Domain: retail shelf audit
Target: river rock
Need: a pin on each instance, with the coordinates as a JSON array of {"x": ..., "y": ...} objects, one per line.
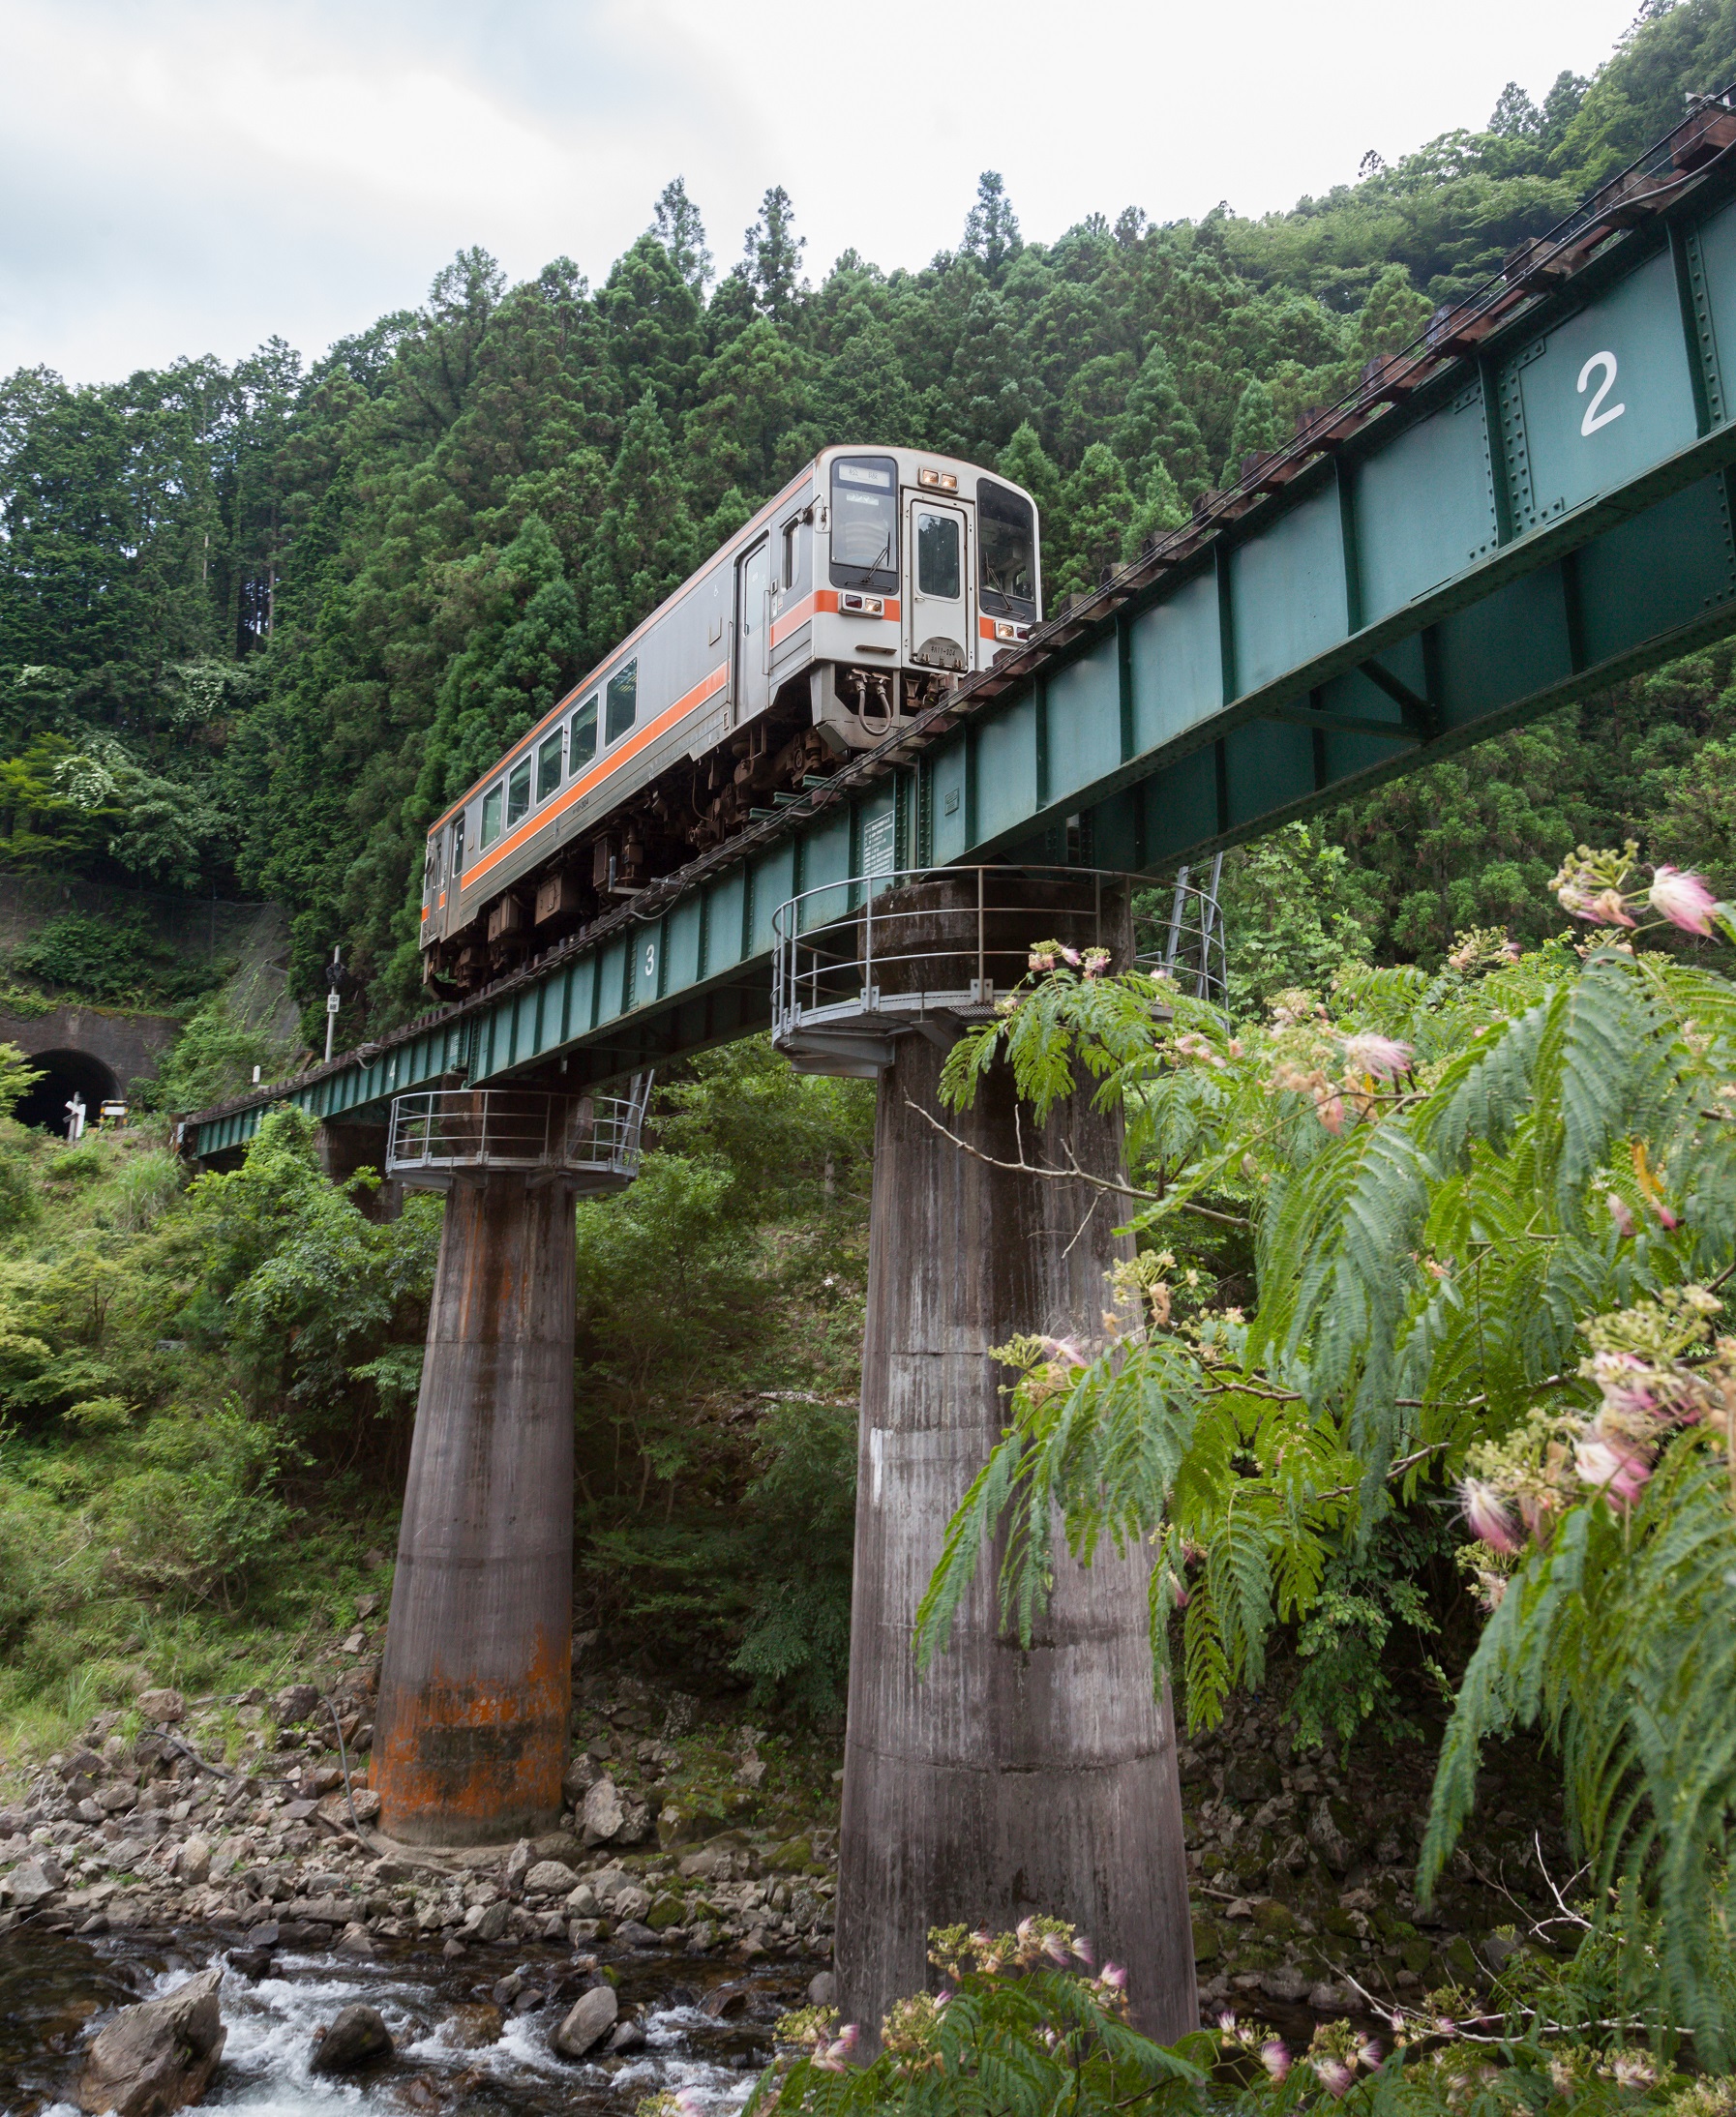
[
  {"x": 163, "y": 1705},
  {"x": 549, "y": 1878},
  {"x": 193, "y": 1863},
  {"x": 823, "y": 1989},
  {"x": 158, "y": 2057},
  {"x": 354, "y": 2039},
  {"x": 474, "y": 2026},
  {"x": 576, "y": 1781},
  {"x": 32, "y": 1882},
  {"x": 587, "y": 2022},
  {"x": 604, "y": 1813},
  {"x": 487, "y": 1922}
]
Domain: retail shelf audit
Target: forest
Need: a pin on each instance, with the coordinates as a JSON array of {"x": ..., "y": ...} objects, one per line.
[{"x": 1416, "y": 1385}]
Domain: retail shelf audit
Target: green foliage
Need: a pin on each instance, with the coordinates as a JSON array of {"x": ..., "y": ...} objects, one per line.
[
  {"x": 803, "y": 1507},
  {"x": 16, "y": 1076},
  {"x": 1018, "y": 2034},
  {"x": 213, "y": 1058},
  {"x": 1448, "y": 1181},
  {"x": 112, "y": 960}
]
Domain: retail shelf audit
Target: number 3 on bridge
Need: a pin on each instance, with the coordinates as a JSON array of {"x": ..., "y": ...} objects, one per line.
[{"x": 1595, "y": 414}]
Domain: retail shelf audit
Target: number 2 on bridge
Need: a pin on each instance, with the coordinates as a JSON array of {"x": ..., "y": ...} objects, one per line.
[{"x": 1595, "y": 415}]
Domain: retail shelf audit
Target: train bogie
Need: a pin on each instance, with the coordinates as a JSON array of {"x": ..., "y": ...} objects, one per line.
[{"x": 866, "y": 589}]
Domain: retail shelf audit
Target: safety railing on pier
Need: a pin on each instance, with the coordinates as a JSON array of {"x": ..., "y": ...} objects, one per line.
[
  {"x": 594, "y": 1140},
  {"x": 924, "y": 951},
  {"x": 1187, "y": 944}
]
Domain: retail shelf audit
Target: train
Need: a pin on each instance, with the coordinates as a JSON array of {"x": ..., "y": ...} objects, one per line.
[{"x": 872, "y": 584}]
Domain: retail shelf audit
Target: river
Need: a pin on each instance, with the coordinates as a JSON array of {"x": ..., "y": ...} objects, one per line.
[{"x": 464, "y": 2037}]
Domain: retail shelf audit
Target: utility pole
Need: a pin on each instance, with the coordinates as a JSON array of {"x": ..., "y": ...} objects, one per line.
[{"x": 334, "y": 978}]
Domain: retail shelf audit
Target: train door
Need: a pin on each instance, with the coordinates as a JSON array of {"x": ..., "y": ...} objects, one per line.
[
  {"x": 938, "y": 616},
  {"x": 753, "y": 619}
]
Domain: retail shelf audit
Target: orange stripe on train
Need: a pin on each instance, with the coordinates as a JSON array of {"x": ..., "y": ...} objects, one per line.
[{"x": 707, "y": 688}]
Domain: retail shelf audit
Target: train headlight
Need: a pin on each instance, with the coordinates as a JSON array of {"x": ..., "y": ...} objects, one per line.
[
  {"x": 868, "y": 605},
  {"x": 1005, "y": 629},
  {"x": 938, "y": 481}
]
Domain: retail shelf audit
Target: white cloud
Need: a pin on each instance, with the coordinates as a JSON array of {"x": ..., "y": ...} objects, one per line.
[{"x": 184, "y": 175}]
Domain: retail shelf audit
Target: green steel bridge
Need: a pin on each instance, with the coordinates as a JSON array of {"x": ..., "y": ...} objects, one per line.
[{"x": 1529, "y": 504}]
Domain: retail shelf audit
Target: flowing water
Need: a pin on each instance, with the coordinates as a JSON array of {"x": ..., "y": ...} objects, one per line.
[{"x": 706, "y": 2026}]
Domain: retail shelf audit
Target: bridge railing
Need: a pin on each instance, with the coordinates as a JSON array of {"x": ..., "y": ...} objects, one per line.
[{"x": 441, "y": 1132}]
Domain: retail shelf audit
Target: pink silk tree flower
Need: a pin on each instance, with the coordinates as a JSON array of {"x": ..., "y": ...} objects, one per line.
[
  {"x": 1489, "y": 1518},
  {"x": 1274, "y": 2056},
  {"x": 1619, "y": 1212},
  {"x": 1619, "y": 1472},
  {"x": 1384, "y": 1056},
  {"x": 1683, "y": 898}
]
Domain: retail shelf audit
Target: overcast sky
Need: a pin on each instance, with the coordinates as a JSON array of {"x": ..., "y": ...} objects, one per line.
[{"x": 184, "y": 176}]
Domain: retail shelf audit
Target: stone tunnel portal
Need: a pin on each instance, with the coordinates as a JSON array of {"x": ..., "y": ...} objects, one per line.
[{"x": 45, "y": 1105}]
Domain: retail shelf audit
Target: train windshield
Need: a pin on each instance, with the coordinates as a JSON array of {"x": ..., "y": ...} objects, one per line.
[
  {"x": 865, "y": 523},
  {"x": 1006, "y": 539}
]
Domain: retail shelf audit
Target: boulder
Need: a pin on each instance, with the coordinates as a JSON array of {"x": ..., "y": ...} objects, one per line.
[
  {"x": 32, "y": 1882},
  {"x": 250, "y": 1964},
  {"x": 157, "y": 2057},
  {"x": 823, "y": 1989},
  {"x": 295, "y": 1702},
  {"x": 488, "y": 1922},
  {"x": 193, "y": 1864},
  {"x": 549, "y": 1878},
  {"x": 583, "y": 1903},
  {"x": 355, "y": 1940},
  {"x": 576, "y": 1781},
  {"x": 162, "y": 1706},
  {"x": 335, "y": 1807},
  {"x": 519, "y": 1863},
  {"x": 473, "y": 2026},
  {"x": 357, "y": 2037},
  {"x": 632, "y": 1902},
  {"x": 604, "y": 1815},
  {"x": 587, "y": 2022}
]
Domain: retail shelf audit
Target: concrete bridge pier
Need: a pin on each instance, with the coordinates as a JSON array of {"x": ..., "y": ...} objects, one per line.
[
  {"x": 471, "y": 1732},
  {"x": 471, "y": 1735},
  {"x": 1009, "y": 1780}
]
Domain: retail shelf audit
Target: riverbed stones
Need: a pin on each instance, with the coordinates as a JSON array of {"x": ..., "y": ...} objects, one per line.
[
  {"x": 549, "y": 1878},
  {"x": 587, "y": 2022},
  {"x": 158, "y": 2057},
  {"x": 33, "y": 1883},
  {"x": 356, "y": 2037}
]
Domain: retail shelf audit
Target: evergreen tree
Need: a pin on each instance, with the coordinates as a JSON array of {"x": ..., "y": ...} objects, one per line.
[
  {"x": 771, "y": 262},
  {"x": 863, "y": 395},
  {"x": 645, "y": 544},
  {"x": 1256, "y": 429},
  {"x": 752, "y": 423},
  {"x": 1025, "y": 460},
  {"x": 1156, "y": 427},
  {"x": 1159, "y": 507},
  {"x": 678, "y": 227},
  {"x": 992, "y": 227},
  {"x": 1093, "y": 519},
  {"x": 1514, "y": 115}
]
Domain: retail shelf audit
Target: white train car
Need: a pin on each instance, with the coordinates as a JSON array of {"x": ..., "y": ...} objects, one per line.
[{"x": 866, "y": 588}]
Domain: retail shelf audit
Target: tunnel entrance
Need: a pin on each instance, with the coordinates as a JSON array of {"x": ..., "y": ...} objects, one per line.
[{"x": 45, "y": 1105}]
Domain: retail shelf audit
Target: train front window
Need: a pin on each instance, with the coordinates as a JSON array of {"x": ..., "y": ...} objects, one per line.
[
  {"x": 547, "y": 766},
  {"x": 518, "y": 794},
  {"x": 621, "y": 701},
  {"x": 584, "y": 745},
  {"x": 865, "y": 523},
  {"x": 938, "y": 554},
  {"x": 490, "y": 814},
  {"x": 1006, "y": 539},
  {"x": 430, "y": 867}
]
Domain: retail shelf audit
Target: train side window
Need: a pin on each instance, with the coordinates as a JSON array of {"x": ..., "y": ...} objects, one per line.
[
  {"x": 431, "y": 866},
  {"x": 518, "y": 794},
  {"x": 584, "y": 745},
  {"x": 791, "y": 552},
  {"x": 547, "y": 766},
  {"x": 623, "y": 701},
  {"x": 492, "y": 802}
]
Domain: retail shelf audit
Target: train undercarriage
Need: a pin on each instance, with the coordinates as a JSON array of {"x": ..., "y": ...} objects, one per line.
[{"x": 812, "y": 726}]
